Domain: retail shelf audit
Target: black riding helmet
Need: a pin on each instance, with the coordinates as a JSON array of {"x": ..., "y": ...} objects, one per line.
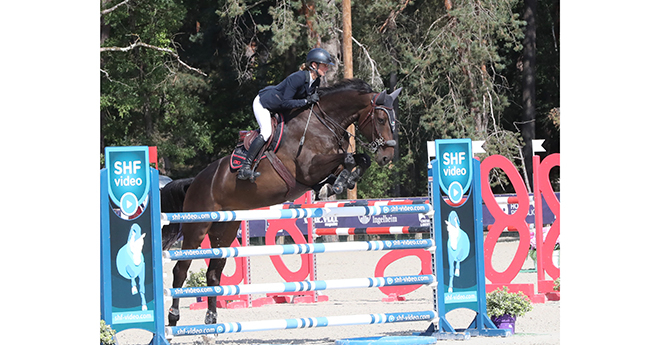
[{"x": 319, "y": 55}]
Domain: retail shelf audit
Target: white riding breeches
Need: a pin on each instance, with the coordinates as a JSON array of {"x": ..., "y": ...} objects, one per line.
[{"x": 263, "y": 118}]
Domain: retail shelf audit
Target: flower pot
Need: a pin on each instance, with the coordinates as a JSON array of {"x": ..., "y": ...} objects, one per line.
[{"x": 505, "y": 321}]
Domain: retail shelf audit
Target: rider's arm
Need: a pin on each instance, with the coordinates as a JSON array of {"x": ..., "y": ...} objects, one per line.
[{"x": 295, "y": 83}]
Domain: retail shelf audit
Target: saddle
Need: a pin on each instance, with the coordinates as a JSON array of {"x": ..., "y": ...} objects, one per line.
[
  {"x": 271, "y": 146},
  {"x": 273, "y": 143}
]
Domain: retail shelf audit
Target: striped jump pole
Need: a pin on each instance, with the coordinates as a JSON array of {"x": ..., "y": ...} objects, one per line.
[
  {"x": 336, "y": 284},
  {"x": 391, "y": 230},
  {"x": 310, "y": 322},
  {"x": 351, "y": 203},
  {"x": 294, "y": 249},
  {"x": 294, "y": 213}
]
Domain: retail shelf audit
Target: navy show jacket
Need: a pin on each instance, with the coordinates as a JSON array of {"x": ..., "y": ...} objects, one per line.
[{"x": 290, "y": 93}]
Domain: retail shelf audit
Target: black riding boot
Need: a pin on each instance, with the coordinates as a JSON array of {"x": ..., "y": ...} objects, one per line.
[{"x": 245, "y": 172}]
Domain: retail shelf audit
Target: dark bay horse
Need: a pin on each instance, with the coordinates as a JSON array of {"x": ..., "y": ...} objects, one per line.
[{"x": 321, "y": 154}]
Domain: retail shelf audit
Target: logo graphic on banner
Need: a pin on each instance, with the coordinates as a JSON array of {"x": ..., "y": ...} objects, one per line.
[
  {"x": 130, "y": 262},
  {"x": 128, "y": 180},
  {"x": 458, "y": 247},
  {"x": 455, "y": 158}
]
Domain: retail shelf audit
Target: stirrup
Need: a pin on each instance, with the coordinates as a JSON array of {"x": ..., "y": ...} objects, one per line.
[{"x": 246, "y": 172}]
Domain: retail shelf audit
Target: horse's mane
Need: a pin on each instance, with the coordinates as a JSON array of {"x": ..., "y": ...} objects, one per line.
[{"x": 354, "y": 84}]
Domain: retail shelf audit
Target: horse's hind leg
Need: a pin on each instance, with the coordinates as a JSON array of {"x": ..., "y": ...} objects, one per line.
[
  {"x": 451, "y": 275},
  {"x": 193, "y": 235},
  {"x": 221, "y": 235}
]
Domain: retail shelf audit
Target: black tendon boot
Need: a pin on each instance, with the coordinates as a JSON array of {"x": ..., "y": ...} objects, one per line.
[{"x": 246, "y": 172}]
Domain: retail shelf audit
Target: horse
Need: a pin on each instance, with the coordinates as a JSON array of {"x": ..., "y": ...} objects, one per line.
[
  {"x": 458, "y": 247},
  {"x": 313, "y": 151},
  {"x": 130, "y": 261}
]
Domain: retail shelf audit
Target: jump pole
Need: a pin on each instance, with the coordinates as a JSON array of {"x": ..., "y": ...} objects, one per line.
[{"x": 134, "y": 169}]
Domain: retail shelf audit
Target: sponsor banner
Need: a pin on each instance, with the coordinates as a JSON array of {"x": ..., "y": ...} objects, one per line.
[{"x": 258, "y": 227}]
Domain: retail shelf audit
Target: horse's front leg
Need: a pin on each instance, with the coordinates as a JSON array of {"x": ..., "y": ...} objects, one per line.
[
  {"x": 451, "y": 274},
  {"x": 134, "y": 289},
  {"x": 363, "y": 162},
  {"x": 341, "y": 181},
  {"x": 142, "y": 289}
]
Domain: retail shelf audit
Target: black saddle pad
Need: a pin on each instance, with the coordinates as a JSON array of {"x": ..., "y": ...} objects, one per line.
[{"x": 240, "y": 152}]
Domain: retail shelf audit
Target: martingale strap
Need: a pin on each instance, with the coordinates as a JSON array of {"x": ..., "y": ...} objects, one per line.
[{"x": 292, "y": 185}]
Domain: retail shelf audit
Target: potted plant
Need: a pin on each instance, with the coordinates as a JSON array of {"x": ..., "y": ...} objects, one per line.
[
  {"x": 197, "y": 279},
  {"x": 532, "y": 245},
  {"x": 107, "y": 334},
  {"x": 504, "y": 307}
]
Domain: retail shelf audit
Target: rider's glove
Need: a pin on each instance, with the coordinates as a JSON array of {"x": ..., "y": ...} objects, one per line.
[{"x": 313, "y": 98}]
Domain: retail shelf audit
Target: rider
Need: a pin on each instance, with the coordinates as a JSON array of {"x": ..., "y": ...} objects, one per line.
[{"x": 297, "y": 90}]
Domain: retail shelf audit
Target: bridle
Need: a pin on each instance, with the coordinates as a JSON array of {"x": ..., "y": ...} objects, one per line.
[
  {"x": 378, "y": 140},
  {"x": 391, "y": 117}
]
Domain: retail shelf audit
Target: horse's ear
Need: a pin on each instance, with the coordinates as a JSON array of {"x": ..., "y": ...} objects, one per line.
[{"x": 395, "y": 93}]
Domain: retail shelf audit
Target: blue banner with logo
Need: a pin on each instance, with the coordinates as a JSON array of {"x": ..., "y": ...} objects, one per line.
[
  {"x": 128, "y": 176},
  {"x": 455, "y": 158},
  {"x": 131, "y": 264}
]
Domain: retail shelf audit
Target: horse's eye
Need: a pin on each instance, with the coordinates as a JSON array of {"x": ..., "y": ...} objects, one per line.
[{"x": 381, "y": 121}]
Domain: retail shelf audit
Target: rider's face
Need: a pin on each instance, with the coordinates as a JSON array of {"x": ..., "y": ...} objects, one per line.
[{"x": 322, "y": 69}]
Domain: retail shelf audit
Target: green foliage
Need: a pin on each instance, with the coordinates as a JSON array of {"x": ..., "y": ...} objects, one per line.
[
  {"x": 501, "y": 301},
  {"x": 147, "y": 98},
  {"x": 107, "y": 334},
  {"x": 458, "y": 69},
  {"x": 376, "y": 182},
  {"x": 450, "y": 65},
  {"x": 556, "y": 286},
  {"x": 197, "y": 279}
]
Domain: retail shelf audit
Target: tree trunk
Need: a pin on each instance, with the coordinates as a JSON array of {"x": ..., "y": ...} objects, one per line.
[
  {"x": 529, "y": 87},
  {"x": 396, "y": 192}
]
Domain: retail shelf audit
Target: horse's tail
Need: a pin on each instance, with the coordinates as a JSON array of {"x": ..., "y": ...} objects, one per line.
[{"x": 171, "y": 201}]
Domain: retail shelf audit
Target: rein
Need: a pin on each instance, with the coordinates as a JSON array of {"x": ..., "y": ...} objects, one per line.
[{"x": 376, "y": 143}]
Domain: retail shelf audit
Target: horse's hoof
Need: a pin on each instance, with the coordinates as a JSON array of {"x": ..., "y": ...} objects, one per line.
[
  {"x": 209, "y": 338},
  {"x": 338, "y": 188},
  {"x": 355, "y": 176},
  {"x": 324, "y": 192},
  {"x": 173, "y": 317},
  {"x": 211, "y": 317}
]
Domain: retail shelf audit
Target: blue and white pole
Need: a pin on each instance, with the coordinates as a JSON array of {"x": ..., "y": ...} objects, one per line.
[
  {"x": 311, "y": 322},
  {"x": 294, "y": 213},
  {"x": 295, "y": 249},
  {"x": 247, "y": 289}
]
